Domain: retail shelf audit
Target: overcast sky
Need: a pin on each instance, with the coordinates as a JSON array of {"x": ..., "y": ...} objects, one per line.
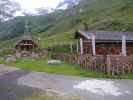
[{"x": 31, "y": 5}]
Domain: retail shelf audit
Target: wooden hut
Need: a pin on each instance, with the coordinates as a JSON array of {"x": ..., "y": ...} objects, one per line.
[
  {"x": 105, "y": 42},
  {"x": 27, "y": 44}
]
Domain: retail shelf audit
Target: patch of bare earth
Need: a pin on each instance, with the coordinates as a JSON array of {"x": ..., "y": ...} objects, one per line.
[{"x": 52, "y": 95}]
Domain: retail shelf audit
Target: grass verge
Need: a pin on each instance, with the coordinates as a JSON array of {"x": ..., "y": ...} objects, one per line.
[{"x": 41, "y": 65}]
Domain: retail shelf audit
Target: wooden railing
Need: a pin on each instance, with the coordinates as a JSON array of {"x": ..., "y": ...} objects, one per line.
[{"x": 111, "y": 64}]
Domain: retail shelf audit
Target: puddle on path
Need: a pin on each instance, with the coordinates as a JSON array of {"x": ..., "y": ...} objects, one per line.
[{"x": 100, "y": 87}]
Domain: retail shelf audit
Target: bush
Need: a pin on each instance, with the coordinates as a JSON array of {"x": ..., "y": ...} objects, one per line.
[{"x": 5, "y": 52}]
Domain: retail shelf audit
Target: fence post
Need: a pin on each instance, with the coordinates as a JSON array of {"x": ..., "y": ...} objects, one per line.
[
  {"x": 108, "y": 64},
  {"x": 124, "y": 51},
  {"x": 81, "y": 46},
  {"x": 71, "y": 48},
  {"x": 93, "y": 45},
  {"x": 77, "y": 46}
]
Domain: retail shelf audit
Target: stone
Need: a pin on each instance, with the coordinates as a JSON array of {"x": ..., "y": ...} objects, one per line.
[
  {"x": 18, "y": 54},
  {"x": 10, "y": 58},
  {"x": 54, "y": 62}
]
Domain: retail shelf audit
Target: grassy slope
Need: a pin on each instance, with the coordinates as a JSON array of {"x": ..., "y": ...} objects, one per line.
[
  {"x": 110, "y": 15},
  {"x": 116, "y": 15},
  {"x": 56, "y": 28},
  {"x": 61, "y": 38}
]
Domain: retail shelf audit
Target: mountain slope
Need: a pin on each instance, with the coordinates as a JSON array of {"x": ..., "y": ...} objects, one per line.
[{"x": 110, "y": 15}]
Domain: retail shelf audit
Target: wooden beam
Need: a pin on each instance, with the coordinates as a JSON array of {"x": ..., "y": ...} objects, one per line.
[
  {"x": 87, "y": 41},
  {"x": 77, "y": 46},
  {"x": 71, "y": 47},
  {"x": 93, "y": 45},
  {"x": 81, "y": 46},
  {"x": 124, "y": 48}
]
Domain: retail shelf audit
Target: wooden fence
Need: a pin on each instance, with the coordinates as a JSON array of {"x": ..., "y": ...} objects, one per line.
[
  {"x": 111, "y": 64},
  {"x": 119, "y": 64}
]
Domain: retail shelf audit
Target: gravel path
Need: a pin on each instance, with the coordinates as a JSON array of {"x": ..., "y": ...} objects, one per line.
[{"x": 16, "y": 83}]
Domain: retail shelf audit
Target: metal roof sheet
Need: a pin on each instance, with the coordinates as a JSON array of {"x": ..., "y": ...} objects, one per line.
[{"x": 107, "y": 35}]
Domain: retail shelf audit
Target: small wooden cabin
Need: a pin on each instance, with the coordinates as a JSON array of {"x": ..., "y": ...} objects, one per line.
[
  {"x": 105, "y": 43},
  {"x": 27, "y": 43}
]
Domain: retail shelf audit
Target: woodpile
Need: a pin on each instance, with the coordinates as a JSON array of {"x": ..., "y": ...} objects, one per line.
[{"x": 111, "y": 64}]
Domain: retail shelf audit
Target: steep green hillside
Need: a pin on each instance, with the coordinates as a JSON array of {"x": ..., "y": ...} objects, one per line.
[{"x": 58, "y": 27}]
